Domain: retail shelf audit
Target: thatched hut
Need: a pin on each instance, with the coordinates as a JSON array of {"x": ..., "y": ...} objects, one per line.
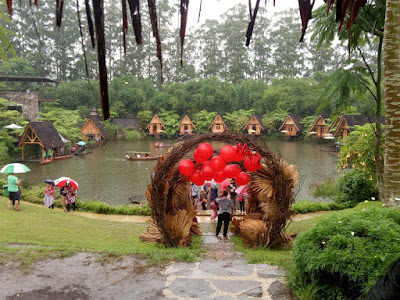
[
  {"x": 218, "y": 125},
  {"x": 345, "y": 124},
  {"x": 41, "y": 136},
  {"x": 320, "y": 128},
  {"x": 292, "y": 126},
  {"x": 254, "y": 125},
  {"x": 186, "y": 126},
  {"x": 94, "y": 130},
  {"x": 155, "y": 127}
]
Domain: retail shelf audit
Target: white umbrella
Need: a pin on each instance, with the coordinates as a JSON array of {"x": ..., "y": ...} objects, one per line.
[
  {"x": 14, "y": 168},
  {"x": 12, "y": 126},
  {"x": 284, "y": 131},
  {"x": 252, "y": 131}
]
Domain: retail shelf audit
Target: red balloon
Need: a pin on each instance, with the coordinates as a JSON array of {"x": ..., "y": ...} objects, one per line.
[
  {"x": 206, "y": 164},
  {"x": 228, "y": 153},
  {"x": 232, "y": 170},
  {"x": 186, "y": 167},
  {"x": 217, "y": 164},
  {"x": 199, "y": 159},
  {"x": 242, "y": 179},
  {"x": 208, "y": 173},
  {"x": 252, "y": 163},
  {"x": 239, "y": 153},
  {"x": 205, "y": 150},
  {"x": 219, "y": 177},
  {"x": 197, "y": 178}
]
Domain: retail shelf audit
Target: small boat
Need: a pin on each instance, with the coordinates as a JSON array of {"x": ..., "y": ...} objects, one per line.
[
  {"x": 162, "y": 145},
  {"x": 139, "y": 155},
  {"x": 83, "y": 153},
  {"x": 46, "y": 161},
  {"x": 63, "y": 157}
]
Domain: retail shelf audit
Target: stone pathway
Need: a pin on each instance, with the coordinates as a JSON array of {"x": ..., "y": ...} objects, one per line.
[{"x": 224, "y": 275}]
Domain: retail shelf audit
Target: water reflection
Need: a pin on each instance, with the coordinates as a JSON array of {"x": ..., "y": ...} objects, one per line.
[{"x": 105, "y": 174}]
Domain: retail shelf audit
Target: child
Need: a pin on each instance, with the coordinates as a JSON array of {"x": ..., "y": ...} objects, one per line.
[
  {"x": 49, "y": 195},
  {"x": 71, "y": 197},
  {"x": 203, "y": 199}
]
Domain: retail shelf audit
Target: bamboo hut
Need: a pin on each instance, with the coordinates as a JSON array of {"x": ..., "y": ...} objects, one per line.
[
  {"x": 218, "y": 125},
  {"x": 44, "y": 136},
  {"x": 186, "y": 126},
  {"x": 320, "y": 128},
  {"x": 155, "y": 127},
  {"x": 292, "y": 126},
  {"x": 346, "y": 124},
  {"x": 254, "y": 125},
  {"x": 94, "y": 130}
]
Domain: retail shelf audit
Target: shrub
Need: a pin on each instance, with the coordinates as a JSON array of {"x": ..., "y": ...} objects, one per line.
[
  {"x": 309, "y": 206},
  {"x": 344, "y": 254},
  {"x": 328, "y": 189},
  {"x": 132, "y": 135},
  {"x": 355, "y": 187}
]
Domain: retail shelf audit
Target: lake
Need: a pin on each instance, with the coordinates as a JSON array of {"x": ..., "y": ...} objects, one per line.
[{"x": 105, "y": 174}]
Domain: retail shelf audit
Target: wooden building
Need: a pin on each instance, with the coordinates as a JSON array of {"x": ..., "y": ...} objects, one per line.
[
  {"x": 254, "y": 125},
  {"x": 130, "y": 123},
  {"x": 41, "y": 136},
  {"x": 218, "y": 125},
  {"x": 320, "y": 128},
  {"x": 346, "y": 123},
  {"x": 155, "y": 127},
  {"x": 94, "y": 130},
  {"x": 186, "y": 126},
  {"x": 292, "y": 126}
]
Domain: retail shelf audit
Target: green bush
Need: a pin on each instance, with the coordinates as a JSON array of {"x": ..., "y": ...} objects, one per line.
[
  {"x": 132, "y": 135},
  {"x": 309, "y": 206},
  {"x": 328, "y": 189},
  {"x": 355, "y": 187},
  {"x": 344, "y": 254}
]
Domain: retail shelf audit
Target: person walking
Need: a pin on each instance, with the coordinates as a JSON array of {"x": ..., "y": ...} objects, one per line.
[
  {"x": 63, "y": 193},
  {"x": 49, "y": 195},
  {"x": 225, "y": 210},
  {"x": 14, "y": 191}
]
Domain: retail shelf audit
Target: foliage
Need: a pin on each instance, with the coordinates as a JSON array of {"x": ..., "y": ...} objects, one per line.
[
  {"x": 171, "y": 121},
  {"x": 327, "y": 189},
  {"x": 110, "y": 127},
  {"x": 356, "y": 186},
  {"x": 144, "y": 118},
  {"x": 132, "y": 134},
  {"x": 304, "y": 207},
  {"x": 202, "y": 120},
  {"x": 358, "y": 152},
  {"x": 344, "y": 254},
  {"x": 67, "y": 122},
  {"x": 272, "y": 121},
  {"x": 238, "y": 119}
]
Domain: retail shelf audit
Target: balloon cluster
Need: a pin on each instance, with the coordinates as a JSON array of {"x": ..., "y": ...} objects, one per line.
[{"x": 206, "y": 166}]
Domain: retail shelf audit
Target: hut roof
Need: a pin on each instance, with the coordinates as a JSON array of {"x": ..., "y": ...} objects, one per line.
[
  {"x": 183, "y": 118},
  {"x": 353, "y": 120},
  {"x": 132, "y": 122},
  {"x": 218, "y": 116},
  {"x": 258, "y": 118},
  {"x": 156, "y": 120},
  {"x": 296, "y": 120},
  {"x": 100, "y": 126},
  {"x": 46, "y": 132},
  {"x": 323, "y": 117}
]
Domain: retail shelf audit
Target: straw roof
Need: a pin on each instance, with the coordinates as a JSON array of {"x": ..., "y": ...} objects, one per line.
[{"x": 46, "y": 132}]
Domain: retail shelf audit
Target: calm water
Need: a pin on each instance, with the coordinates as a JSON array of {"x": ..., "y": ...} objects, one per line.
[{"x": 105, "y": 174}]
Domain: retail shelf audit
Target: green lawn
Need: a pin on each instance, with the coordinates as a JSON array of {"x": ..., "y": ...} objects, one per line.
[{"x": 60, "y": 233}]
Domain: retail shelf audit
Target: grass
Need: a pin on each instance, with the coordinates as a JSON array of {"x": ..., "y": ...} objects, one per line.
[
  {"x": 53, "y": 232},
  {"x": 283, "y": 258}
]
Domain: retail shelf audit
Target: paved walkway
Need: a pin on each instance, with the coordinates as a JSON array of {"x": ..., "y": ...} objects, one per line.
[{"x": 224, "y": 275}]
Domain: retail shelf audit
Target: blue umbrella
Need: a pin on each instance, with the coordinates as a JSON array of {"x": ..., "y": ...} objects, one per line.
[
  {"x": 81, "y": 143},
  {"x": 49, "y": 181}
]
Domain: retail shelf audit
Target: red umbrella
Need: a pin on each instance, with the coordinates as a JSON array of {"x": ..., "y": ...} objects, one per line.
[
  {"x": 241, "y": 190},
  {"x": 60, "y": 182}
]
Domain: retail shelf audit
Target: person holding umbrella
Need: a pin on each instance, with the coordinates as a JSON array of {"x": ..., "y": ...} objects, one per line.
[
  {"x": 49, "y": 192},
  {"x": 14, "y": 191}
]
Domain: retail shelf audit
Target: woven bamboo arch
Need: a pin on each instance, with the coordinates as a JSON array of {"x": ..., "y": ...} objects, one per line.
[{"x": 270, "y": 196}]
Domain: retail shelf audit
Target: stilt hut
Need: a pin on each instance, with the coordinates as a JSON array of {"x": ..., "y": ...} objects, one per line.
[
  {"x": 42, "y": 136},
  {"x": 186, "y": 126},
  {"x": 218, "y": 125},
  {"x": 292, "y": 126},
  {"x": 94, "y": 130},
  {"x": 155, "y": 127},
  {"x": 254, "y": 125},
  {"x": 346, "y": 124},
  {"x": 320, "y": 128}
]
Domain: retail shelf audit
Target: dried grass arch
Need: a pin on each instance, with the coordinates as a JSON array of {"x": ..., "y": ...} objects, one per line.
[{"x": 270, "y": 195}]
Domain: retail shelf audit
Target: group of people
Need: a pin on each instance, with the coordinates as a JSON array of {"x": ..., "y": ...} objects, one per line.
[
  {"x": 222, "y": 206},
  {"x": 68, "y": 196}
]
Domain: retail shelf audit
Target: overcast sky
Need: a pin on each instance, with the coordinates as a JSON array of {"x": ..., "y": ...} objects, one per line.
[{"x": 213, "y": 9}]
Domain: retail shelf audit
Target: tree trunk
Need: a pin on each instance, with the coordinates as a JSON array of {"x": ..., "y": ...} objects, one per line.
[{"x": 391, "y": 58}]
